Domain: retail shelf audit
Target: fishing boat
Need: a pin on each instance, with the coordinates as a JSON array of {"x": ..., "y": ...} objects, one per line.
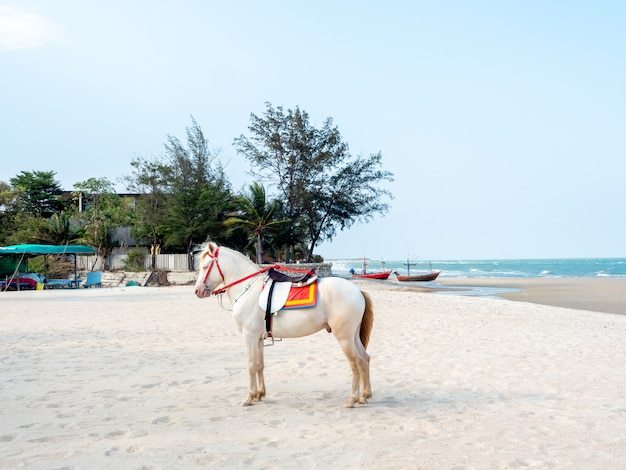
[
  {"x": 431, "y": 276},
  {"x": 384, "y": 274},
  {"x": 380, "y": 275},
  {"x": 421, "y": 277}
]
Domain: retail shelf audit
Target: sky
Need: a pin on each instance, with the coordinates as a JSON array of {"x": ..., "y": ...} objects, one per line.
[{"x": 504, "y": 123}]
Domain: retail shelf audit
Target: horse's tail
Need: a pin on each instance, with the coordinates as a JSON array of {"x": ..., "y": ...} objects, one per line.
[{"x": 368, "y": 320}]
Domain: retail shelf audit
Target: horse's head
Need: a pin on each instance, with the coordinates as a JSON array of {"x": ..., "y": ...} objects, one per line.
[{"x": 210, "y": 275}]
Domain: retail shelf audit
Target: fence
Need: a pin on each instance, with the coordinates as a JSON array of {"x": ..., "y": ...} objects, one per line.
[
  {"x": 88, "y": 263},
  {"x": 175, "y": 263},
  {"x": 164, "y": 262}
]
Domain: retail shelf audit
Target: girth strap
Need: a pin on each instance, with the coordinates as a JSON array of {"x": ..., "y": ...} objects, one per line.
[{"x": 268, "y": 311}]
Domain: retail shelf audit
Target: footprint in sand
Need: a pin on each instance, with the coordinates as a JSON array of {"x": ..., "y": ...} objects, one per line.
[
  {"x": 112, "y": 451},
  {"x": 43, "y": 440},
  {"x": 161, "y": 420},
  {"x": 148, "y": 386},
  {"x": 138, "y": 433}
]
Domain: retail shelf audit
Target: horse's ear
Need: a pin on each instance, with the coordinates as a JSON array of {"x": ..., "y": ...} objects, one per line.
[{"x": 210, "y": 248}]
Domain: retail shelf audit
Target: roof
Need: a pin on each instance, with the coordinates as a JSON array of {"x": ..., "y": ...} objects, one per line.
[{"x": 31, "y": 249}]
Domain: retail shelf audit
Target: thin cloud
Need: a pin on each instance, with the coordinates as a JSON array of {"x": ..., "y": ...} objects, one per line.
[{"x": 21, "y": 30}]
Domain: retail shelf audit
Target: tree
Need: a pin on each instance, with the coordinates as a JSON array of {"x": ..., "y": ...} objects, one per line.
[
  {"x": 149, "y": 179},
  {"x": 38, "y": 193},
  {"x": 198, "y": 193},
  {"x": 103, "y": 212},
  {"x": 344, "y": 196},
  {"x": 8, "y": 211},
  {"x": 60, "y": 229},
  {"x": 323, "y": 188},
  {"x": 256, "y": 215}
]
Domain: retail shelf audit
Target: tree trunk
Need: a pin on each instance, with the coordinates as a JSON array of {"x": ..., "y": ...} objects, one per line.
[
  {"x": 259, "y": 248},
  {"x": 154, "y": 250},
  {"x": 190, "y": 265}
]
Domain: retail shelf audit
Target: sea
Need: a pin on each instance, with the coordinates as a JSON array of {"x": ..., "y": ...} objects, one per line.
[{"x": 493, "y": 268}]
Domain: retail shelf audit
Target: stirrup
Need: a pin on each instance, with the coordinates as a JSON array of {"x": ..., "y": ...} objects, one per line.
[{"x": 268, "y": 336}]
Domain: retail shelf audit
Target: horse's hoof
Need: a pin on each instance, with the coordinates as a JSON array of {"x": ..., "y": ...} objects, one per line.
[{"x": 349, "y": 404}]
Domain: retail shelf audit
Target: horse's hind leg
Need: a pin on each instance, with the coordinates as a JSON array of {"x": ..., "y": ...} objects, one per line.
[
  {"x": 362, "y": 376},
  {"x": 363, "y": 364},
  {"x": 359, "y": 364}
]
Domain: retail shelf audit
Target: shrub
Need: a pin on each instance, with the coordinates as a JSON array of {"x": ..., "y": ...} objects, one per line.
[{"x": 134, "y": 260}]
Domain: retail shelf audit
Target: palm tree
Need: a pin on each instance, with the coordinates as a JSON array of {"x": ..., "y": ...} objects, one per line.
[
  {"x": 254, "y": 214},
  {"x": 60, "y": 229}
]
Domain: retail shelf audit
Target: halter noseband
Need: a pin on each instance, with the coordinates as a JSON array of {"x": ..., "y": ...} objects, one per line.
[{"x": 215, "y": 262}]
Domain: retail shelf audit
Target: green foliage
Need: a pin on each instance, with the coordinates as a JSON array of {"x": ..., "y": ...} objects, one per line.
[
  {"x": 38, "y": 193},
  {"x": 134, "y": 260},
  {"x": 102, "y": 213},
  {"x": 256, "y": 216},
  {"x": 149, "y": 179},
  {"x": 183, "y": 197},
  {"x": 322, "y": 187},
  {"x": 8, "y": 211},
  {"x": 60, "y": 229},
  {"x": 198, "y": 192},
  {"x": 26, "y": 229}
]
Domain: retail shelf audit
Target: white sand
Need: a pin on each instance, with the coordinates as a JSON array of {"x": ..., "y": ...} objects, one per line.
[{"x": 153, "y": 378}]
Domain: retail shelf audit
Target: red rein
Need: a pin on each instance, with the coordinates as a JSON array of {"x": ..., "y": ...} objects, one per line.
[
  {"x": 221, "y": 290},
  {"x": 215, "y": 262}
]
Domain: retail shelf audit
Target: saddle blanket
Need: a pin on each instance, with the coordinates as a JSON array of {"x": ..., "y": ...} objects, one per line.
[{"x": 286, "y": 296}]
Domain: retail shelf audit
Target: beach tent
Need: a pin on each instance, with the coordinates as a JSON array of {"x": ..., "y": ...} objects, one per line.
[{"x": 23, "y": 252}]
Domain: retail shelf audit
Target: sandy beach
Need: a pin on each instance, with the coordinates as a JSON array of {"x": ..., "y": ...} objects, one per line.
[
  {"x": 153, "y": 378},
  {"x": 596, "y": 294}
]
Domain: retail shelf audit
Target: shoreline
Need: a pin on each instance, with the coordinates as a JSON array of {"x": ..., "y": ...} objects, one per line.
[{"x": 606, "y": 295}]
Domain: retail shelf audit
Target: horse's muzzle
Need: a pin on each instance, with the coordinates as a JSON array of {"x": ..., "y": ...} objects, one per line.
[{"x": 202, "y": 292}]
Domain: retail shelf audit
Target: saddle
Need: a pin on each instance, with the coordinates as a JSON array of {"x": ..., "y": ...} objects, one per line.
[
  {"x": 276, "y": 290},
  {"x": 300, "y": 277}
]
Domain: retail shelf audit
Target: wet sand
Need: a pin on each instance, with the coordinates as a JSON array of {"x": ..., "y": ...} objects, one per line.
[{"x": 606, "y": 295}]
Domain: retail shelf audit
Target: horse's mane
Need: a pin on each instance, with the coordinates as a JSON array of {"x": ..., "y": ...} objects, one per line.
[{"x": 211, "y": 247}]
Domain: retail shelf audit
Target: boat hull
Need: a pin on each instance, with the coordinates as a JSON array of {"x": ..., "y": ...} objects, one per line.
[
  {"x": 419, "y": 278},
  {"x": 382, "y": 276}
]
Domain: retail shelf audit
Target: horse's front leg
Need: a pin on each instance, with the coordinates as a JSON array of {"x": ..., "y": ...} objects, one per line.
[
  {"x": 259, "y": 372},
  {"x": 256, "y": 389}
]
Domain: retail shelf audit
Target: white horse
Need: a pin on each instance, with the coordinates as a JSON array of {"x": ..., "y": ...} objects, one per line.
[{"x": 341, "y": 308}]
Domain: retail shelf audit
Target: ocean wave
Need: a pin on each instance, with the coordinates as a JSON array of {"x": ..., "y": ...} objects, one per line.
[{"x": 592, "y": 267}]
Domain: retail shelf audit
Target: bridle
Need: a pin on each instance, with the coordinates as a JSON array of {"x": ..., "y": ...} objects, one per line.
[{"x": 215, "y": 262}]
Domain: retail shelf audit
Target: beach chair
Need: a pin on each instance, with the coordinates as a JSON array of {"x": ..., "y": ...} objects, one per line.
[
  {"x": 58, "y": 283},
  {"x": 94, "y": 279},
  {"x": 63, "y": 283}
]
